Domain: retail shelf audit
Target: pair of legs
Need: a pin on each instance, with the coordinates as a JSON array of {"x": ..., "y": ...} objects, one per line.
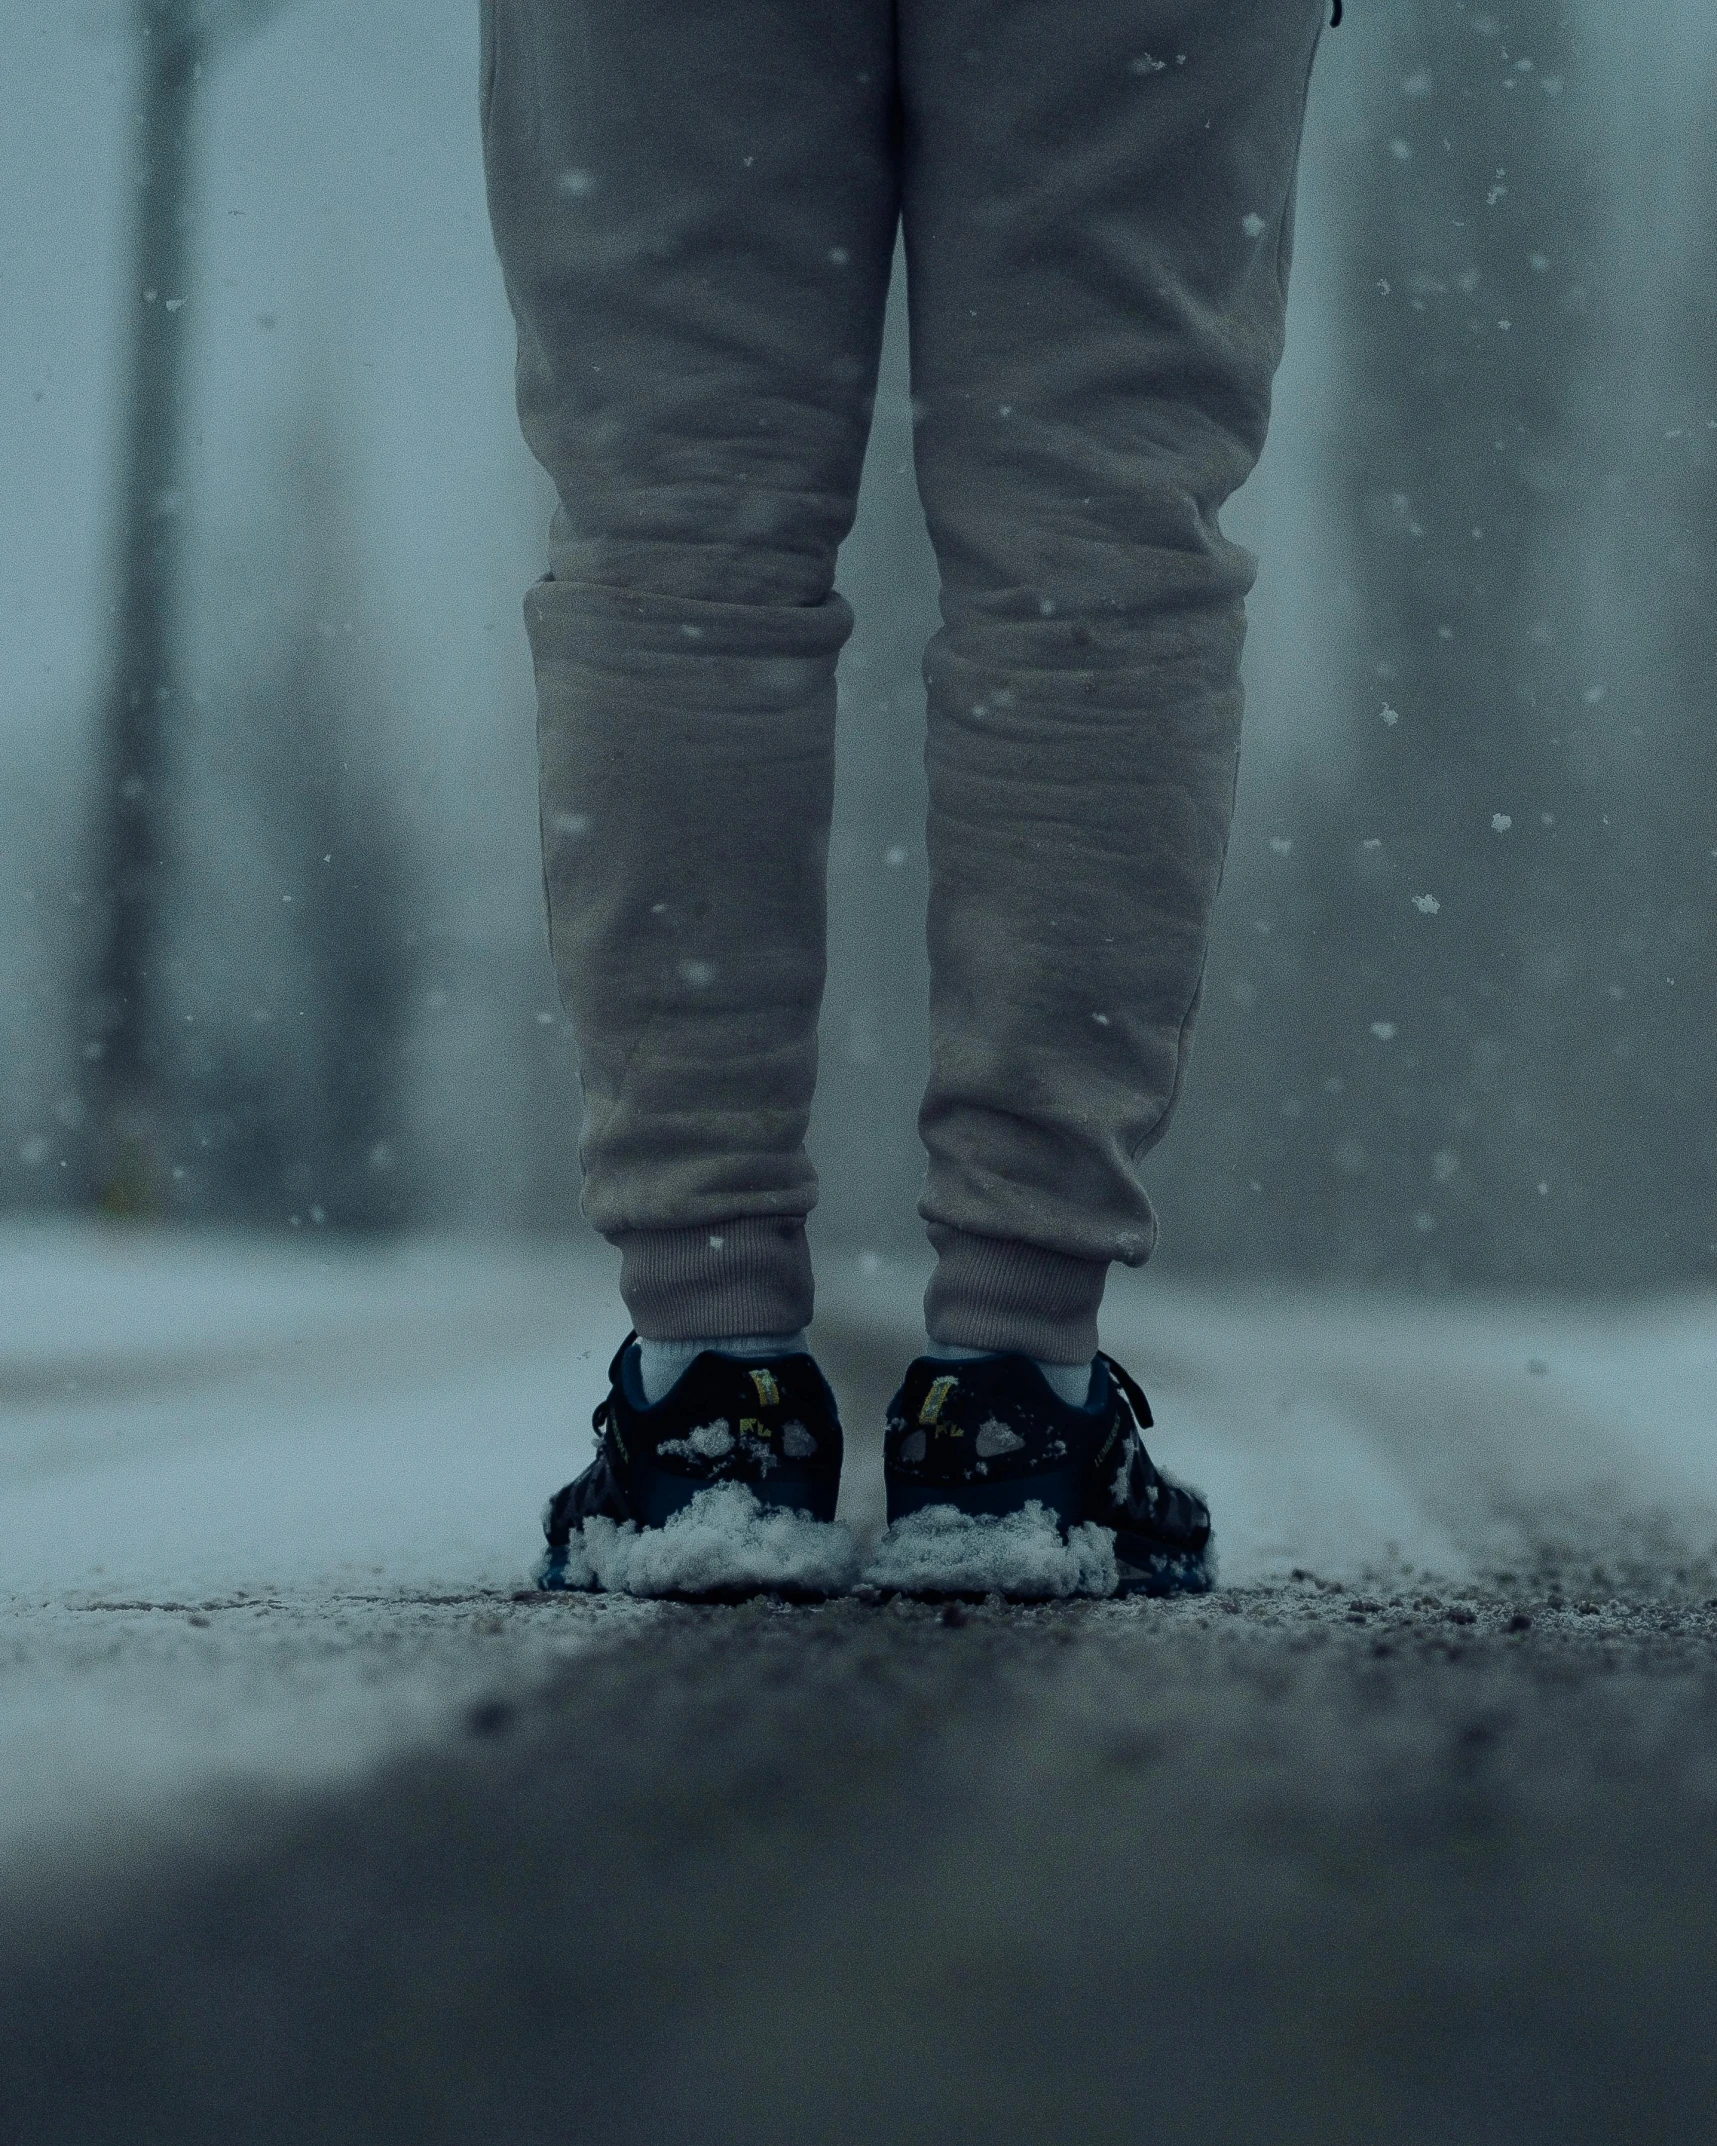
[{"x": 696, "y": 204}]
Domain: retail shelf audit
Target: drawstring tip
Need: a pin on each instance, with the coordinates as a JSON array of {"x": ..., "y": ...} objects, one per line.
[{"x": 1335, "y": 14}]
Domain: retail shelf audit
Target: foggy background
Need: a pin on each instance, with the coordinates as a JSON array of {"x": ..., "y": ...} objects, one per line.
[{"x": 1456, "y": 1030}]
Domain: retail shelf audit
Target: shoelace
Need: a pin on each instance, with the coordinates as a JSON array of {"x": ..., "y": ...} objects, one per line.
[
  {"x": 1135, "y": 1393},
  {"x": 604, "y": 1408}
]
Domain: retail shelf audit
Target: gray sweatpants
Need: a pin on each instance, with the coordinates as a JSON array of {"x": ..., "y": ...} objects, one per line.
[{"x": 696, "y": 205}]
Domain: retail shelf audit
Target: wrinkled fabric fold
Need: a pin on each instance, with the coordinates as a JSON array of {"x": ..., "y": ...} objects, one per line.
[{"x": 696, "y": 209}]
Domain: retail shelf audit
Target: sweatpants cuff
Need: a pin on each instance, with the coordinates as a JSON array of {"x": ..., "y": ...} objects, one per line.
[
  {"x": 990, "y": 1294},
  {"x": 747, "y": 1277}
]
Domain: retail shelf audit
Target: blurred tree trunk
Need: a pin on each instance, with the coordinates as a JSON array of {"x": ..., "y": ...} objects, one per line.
[
  {"x": 295, "y": 956},
  {"x": 124, "y": 1103},
  {"x": 1684, "y": 1112},
  {"x": 331, "y": 814},
  {"x": 1443, "y": 871},
  {"x": 1650, "y": 741}
]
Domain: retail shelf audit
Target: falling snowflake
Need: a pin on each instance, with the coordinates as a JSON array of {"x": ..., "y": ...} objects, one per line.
[{"x": 1426, "y": 904}]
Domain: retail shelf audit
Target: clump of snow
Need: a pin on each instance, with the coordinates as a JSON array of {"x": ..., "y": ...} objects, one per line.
[
  {"x": 710, "y": 1441},
  {"x": 723, "y": 1540},
  {"x": 942, "y": 1550},
  {"x": 573, "y": 1570}
]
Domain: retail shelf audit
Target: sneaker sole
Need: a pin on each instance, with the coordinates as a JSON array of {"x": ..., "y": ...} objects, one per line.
[{"x": 1142, "y": 1569}]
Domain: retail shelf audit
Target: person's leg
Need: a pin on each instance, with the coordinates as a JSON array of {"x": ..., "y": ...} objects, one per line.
[
  {"x": 1098, "y": 211},
  {"x": 695, "y": 207}
]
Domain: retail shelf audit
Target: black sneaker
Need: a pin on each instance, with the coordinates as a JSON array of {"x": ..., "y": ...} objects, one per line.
[
  {"x": 725, "y": 1486},
  {"x": 995, "y": 1483}
]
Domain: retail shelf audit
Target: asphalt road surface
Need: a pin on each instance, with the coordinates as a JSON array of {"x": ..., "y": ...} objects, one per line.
[{"x": 1401, "y": 1843}]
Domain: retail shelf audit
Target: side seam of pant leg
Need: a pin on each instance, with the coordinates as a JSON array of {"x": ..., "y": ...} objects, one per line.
[
  {"x": 1098, "y": 217},
  {"x": 695, "y": 211}
]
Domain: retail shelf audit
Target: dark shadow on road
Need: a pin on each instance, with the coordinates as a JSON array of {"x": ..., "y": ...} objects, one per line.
[{"x": 1284, "y": 1865}]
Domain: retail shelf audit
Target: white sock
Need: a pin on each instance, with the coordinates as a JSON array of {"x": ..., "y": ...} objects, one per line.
[
  {"x": 661, "y": 1364},
  {"x": 1068, "y": 1382}
]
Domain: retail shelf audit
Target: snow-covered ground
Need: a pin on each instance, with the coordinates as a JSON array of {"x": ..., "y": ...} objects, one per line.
[
  {"x": 266, "y": 1506},
  {"x": 260, "y": 1504},
  {"x": 1345, "y": 1432}
]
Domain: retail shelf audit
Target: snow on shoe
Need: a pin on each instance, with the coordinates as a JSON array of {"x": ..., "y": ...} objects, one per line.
[
  {"x": 943, "y": 1551},
  {"x": 723, "y": 1541}
]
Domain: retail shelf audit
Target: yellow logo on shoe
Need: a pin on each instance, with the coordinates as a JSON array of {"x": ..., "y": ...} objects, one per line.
[
  {"x": 768, "y": 1392},
  {"x": 934, "y": 1401},
  {"x": 750, "y": 1427}
]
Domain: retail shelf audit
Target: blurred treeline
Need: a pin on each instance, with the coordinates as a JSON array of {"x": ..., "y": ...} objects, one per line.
[
  {"x": 1456, "y": 1019},
  {"x": 1517, "y": 1085}
]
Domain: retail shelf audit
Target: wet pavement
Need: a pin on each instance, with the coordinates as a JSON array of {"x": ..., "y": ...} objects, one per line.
[
  {"x": 1285, "y": 1864},
  {"x": 335, "y": 1831}
]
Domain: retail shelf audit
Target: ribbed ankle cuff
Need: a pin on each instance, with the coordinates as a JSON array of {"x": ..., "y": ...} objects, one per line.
[
  {"x": 747, "y": 1277},
  {"x": 990, "y": 1294}
]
